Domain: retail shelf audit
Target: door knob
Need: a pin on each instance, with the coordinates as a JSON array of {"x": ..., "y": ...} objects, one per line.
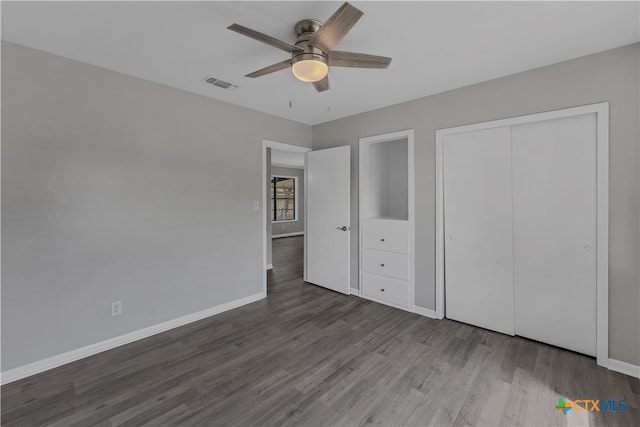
[
  {"x": 381, "y": 265},
  {"x": 343, "y": 228}
]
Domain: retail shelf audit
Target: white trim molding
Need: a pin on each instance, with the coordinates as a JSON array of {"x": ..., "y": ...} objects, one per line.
[
  {"x": 624, "y": 368},
  {"x": 80, "y": 353},
  {"x": 284, "y": 147},
  {"x": 295, "y": 233},
  {"x": 355, "y": 291},
  {"x": 269, "y": 267},
  {"x": 601, "y": 110},
  {"x": 427, "y": 312}
]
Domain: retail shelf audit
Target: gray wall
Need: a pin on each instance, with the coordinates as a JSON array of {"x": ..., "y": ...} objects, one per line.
[
  {"x": 608, "y": 76},
  {"x": 116, "y": 188},
  {"x": 296, "y": 226}
]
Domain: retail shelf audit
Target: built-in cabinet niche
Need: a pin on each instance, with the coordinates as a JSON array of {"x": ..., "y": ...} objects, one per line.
[
  {"x": 386, "y": 219},
  {"x": 388, "y": 190}
]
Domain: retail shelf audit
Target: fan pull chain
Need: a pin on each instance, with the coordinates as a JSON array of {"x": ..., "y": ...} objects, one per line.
[{"x": 290, "y": 97}]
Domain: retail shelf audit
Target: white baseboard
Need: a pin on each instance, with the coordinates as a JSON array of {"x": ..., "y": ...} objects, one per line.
[
  {"x": 425, "y": 312},
  {"x": 269, "y": 267},
  {"x": 80, "y": 353},
  {"x": 624, "y": 368},
  {"x": 355, "y": 291},
  {"x": 297, "y": 233}
]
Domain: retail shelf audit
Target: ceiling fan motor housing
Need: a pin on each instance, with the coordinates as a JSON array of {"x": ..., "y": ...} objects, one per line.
[{"x": 305, "y": 29}]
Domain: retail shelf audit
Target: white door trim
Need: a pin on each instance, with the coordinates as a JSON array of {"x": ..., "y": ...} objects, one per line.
[
  {"x": 601, "y": 111},
  {"x": 278, "y": 146}
]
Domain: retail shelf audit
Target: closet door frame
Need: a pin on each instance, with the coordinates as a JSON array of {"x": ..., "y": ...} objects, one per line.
[{"x": 601, "y": 110}]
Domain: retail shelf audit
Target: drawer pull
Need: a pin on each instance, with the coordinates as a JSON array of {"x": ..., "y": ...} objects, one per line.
[
  {"x": 382, "y": 290},
  {"x": 381, "y": 265},
  {"x": 382, "y": 240}
]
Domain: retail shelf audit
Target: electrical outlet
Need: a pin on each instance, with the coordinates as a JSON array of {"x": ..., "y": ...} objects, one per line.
[{"x": 116, "y": 308}]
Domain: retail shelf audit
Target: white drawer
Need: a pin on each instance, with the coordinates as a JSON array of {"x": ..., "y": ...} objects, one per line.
[
  {"x": 385, "y": 289},
  {"x": 386, "y": 263},
  {"x": 385, "y": 239}
]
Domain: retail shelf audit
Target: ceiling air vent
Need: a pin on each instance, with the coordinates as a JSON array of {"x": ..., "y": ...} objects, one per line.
[{"x": 219, "y": 83}]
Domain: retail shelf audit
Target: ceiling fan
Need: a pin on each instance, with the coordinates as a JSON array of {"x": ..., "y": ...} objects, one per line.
[{"x": 312, "y": 53}]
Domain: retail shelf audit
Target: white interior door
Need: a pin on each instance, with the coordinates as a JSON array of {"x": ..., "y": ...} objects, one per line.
[
  {"x": 478, "y": 234},
  {"x": 327, "y": 234},
  {"x": 554, "y": 206}
]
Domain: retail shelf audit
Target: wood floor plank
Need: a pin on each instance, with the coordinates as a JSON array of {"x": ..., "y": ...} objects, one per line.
[{"x": 307, "y": 356}]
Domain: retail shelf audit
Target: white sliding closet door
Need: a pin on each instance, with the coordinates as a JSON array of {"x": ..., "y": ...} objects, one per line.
[
  {"x": 478, "y": 234},
  {"x": 554, "y": 228}
]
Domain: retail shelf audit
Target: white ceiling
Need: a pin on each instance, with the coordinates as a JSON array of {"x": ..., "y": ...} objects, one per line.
[
  {"x": 287, "y": 159},
  {"x": 436, "y": 46}
]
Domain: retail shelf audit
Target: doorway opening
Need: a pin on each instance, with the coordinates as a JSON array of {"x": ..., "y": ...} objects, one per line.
[{"x": 283, "y": 190}]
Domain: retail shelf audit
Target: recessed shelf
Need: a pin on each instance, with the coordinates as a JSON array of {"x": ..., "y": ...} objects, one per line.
[{"x": 387, "y": 191}]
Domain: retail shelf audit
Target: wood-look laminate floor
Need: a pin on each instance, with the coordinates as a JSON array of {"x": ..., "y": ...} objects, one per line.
[{"x": 309, "y": 357}]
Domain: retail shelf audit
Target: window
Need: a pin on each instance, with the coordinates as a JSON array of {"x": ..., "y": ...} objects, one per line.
[{"x": 283, "y": 198}]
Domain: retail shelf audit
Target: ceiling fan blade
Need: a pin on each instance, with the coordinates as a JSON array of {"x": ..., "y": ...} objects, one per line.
[
  {"x": 271, "y": 69},
  {"x": 336, "y": 27},
  {"x": 322, "y": 85},
  {"x": 357, "y": 60},
  {"x": 272, "y": 41}
]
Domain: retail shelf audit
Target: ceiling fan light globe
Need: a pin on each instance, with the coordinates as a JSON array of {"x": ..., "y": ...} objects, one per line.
[{"x": 309, "y": 70}]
